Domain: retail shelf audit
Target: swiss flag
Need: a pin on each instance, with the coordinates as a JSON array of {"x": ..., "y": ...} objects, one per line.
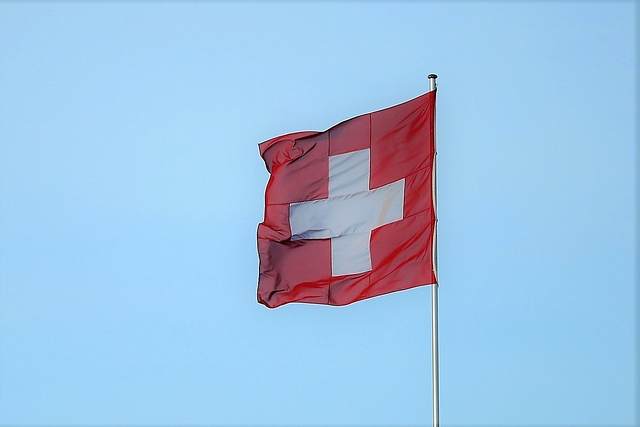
[{"x": 349, "y": 212}]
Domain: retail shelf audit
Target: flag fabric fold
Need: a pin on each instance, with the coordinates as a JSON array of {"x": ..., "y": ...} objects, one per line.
[{"x": 350, "y": 212}]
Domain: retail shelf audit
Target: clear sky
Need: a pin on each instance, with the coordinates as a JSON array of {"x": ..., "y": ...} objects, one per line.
[{"x": 131, "y": 188}]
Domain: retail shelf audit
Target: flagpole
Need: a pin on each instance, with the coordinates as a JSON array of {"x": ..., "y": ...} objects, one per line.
[{"x": 435, "y": 377}]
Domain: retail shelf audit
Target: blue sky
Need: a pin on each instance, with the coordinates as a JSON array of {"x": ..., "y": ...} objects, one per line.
[{"x": 131, "y": 188}]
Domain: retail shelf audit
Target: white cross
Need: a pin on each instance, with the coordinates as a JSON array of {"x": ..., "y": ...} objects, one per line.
[{"x": 350, "y": 213}]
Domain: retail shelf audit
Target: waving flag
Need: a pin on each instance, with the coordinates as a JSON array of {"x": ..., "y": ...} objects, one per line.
[{"x": 349, "y": 212}]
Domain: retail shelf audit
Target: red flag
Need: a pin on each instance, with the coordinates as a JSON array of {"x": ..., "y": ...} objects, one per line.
[{"x": 349, "y": 212}]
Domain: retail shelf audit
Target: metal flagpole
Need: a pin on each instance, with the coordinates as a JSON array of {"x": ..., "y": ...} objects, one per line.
[{"x": 435, "y": 378}]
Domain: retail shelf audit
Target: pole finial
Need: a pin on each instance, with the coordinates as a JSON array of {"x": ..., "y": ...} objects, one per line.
[{"x": 432, "y": 81}]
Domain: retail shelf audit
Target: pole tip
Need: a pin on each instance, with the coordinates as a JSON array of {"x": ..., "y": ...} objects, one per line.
[{"x": 432, "y": 76}]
